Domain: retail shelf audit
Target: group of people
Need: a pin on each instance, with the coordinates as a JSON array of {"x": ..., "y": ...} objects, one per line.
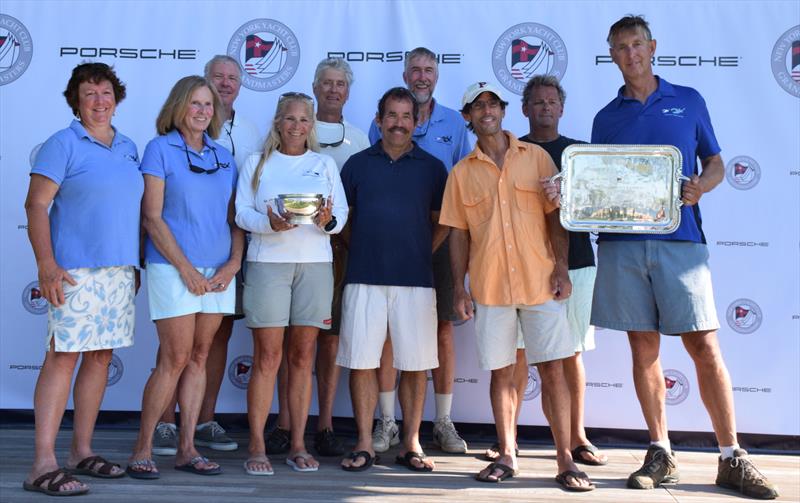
[{"x": 375, "y": 282}]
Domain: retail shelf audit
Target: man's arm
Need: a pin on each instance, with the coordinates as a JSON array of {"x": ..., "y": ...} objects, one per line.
[
  {"x": 560, "y": 284},
  {"x": 440, "y": 232},
  {"x": 459, "y": 257},
  {"x": 712, "y": 175}
]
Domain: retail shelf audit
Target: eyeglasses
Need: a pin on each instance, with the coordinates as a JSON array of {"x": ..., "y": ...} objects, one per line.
[
  {"x": 292, "y": 94},
  {"x": 335, "y": 144},
  {"x": 230, "y": 136},
  {"x": 198, "y": 169},
  {"x": 423, "y": 133}
]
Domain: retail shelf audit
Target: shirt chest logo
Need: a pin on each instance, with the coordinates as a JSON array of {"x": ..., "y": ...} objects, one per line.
[{"x": 673, "y": 112}]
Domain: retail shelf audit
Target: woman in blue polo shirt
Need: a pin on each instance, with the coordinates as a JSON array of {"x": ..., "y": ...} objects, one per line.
[
  {"x": 193, "y": 250},
  {"x": 86, "y": 248}
]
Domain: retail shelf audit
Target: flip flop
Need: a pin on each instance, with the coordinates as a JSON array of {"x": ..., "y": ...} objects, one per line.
[
  {"x": 96, "y": 466},
  {"x": 577, "y": 455},
  {"x": 192, "y": 468},
  {"x": 52, "y": 488},
  {"x": 405, "y": 460},
  {"x": 369, "y": 460},
  {"x": 292, "y": 461},
  {"x": 258, "y": 459},
  {"x": 151, "y": 474},
  {"x": 496, "y": 448},
  {"x": 563, "y": 479},
  {"x": 506, "y": 472}
]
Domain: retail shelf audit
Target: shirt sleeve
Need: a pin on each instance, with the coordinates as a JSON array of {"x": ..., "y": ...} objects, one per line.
[
  {"x": 340, "y": 208},
  {"x": 52, "y": 160},
  {"x": 546, "y": 168},
  {"x": 706, "y": 139},
  {"x": 374, "y": 133},
  {"x": 153, "y": 160},
  {"x": 452, "y": 212},
  {"x": 247, "y": 216}
]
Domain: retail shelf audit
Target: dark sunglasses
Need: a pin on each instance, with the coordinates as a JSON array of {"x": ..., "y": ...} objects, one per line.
[
  {"x": 292, "y": 94},
  {"x": 335, "y": 144},
  {"x": 198, "y": 169}
]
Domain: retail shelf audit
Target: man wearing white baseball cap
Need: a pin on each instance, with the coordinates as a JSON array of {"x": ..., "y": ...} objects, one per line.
[{"x": 507, "y": 235}]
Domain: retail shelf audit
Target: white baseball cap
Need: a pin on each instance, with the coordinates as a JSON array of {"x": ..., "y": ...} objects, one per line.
[{"x": 477, "y": 88}]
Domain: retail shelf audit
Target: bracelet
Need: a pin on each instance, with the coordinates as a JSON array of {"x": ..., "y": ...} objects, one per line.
[{"x": 330, "y": 225}]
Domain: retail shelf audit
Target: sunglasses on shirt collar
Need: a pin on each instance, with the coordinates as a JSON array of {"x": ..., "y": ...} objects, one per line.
[{"x": 198, "y": 169}]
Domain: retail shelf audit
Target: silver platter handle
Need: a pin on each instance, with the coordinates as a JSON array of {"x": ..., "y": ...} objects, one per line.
[
  {"x": 556, "y": 178},
  {"x": 682, "y": 178}
]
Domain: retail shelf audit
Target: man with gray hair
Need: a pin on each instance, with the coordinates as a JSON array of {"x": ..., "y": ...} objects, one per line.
[
  {"x": 241, "y": 138},
  {"x": 441, "y": 132}
]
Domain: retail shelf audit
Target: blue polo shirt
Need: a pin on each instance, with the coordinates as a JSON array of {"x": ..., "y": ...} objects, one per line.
[
  {"x": 672, "y": 115},
  {"x": 94, "y": 220},
  {"x": 444, "y": 135},
  {"x": 390, "y": 217},
  {"x": 195, "y": 204}
]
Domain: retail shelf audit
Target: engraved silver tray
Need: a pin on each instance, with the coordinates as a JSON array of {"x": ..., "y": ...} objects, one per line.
[{"x": 621, "y": 188}]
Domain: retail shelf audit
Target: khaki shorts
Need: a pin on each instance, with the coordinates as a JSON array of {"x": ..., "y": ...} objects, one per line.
[
  {"x": 406, "y": 314},
  {"x": 545, "y": 332},
  {"x": 281, "y": 294}
]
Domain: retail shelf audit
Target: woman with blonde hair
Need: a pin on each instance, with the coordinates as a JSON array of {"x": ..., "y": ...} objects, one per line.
[
  {"x": 289, "y": 279},
  {"x": 192, "y": 251}
]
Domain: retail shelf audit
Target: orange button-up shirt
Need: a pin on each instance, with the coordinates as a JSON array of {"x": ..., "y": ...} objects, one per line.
[{"x": 510, "y": 258}]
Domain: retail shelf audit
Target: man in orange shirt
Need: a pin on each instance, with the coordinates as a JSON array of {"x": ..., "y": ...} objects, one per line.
[{"x": 506, "y": 233}]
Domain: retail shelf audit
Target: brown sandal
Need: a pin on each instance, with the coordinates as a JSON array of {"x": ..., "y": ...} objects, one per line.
[
  {"x": 53, "y": 485},
  {"x": 96, "y": 466}
]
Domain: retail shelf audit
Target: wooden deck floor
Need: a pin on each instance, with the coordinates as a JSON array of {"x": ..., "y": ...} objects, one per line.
[{"x": 452, "y": 480}]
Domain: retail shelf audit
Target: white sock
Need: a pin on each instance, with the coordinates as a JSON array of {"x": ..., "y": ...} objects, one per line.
[
  {"x": 664, "y": 444},
  {"x": 386, "y": 401},
  {"x": 727, "y": 452},
  {"x": 444, "y": 402}
]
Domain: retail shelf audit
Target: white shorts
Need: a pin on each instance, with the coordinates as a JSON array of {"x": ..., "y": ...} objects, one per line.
[
  {"x": 168, "y": 296},
  {"x": 545, "y": 332},
  {"x": 579, "y": 307},
  {"x": 408, "y": 314}
]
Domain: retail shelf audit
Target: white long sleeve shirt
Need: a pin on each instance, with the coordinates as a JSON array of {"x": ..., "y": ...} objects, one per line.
[{"x": 288, "y": 174}]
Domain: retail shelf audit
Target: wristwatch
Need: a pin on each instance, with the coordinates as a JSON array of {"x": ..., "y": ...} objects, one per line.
[{"x": 330, "y": 225}]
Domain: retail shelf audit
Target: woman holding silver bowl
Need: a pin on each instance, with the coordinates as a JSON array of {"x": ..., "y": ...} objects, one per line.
[
  {"x": 193, "y": 251},
  {"x": 289, "y": 280}
]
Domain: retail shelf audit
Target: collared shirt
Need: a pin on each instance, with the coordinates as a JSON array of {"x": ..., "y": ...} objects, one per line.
[
  {"x": 510, "y": 258},
  {"x": 671, "y": 115},
  {"x": 94, "y": 220},
  {"x": 353, "y": 140},
  {"x": 240, "y": 137},
  {"x": 444, "y": 135},
  {"x": 195, "y": 204},
  {"x": 391, "y": 203}
]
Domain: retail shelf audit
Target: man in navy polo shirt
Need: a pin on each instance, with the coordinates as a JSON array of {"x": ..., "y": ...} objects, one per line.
[
  {"x": 394, "y": 190},
  {"x": 647, "y": 283},
  {"x": 440, "y": 131}
]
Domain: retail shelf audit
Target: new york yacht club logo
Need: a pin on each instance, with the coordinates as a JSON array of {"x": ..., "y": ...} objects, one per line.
[
  {"x": 527, "y": 49},
  {"x": 268, "y": 51},
  {"x": 16, "y": 49}
]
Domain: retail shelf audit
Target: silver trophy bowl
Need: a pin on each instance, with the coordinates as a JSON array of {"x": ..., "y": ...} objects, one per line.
[{"x": 299, "y": 208}]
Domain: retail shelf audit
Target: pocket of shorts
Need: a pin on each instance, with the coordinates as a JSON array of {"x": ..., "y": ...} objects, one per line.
[
  {"x": 478, "y": 209},
  {"x": 528, "y": 197}
]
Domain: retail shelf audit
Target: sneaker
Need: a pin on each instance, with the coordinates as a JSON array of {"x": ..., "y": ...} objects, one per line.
[
  {"x": 326, "y": 443},
  {"x": 740, "y": 474},
  {"x": 213, "y": 436},
  {"x": 278, "y": 441},
  {"x": 447, "y": 438},
  {"x": 165, "y": 439},
  {"x": 386, "y": 434},
  {"x": 659, "y": 468}
]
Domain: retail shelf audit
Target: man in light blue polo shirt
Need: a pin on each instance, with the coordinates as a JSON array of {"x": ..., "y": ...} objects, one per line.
[
  {"x": 648, "y": 283},
  {"x": 440, "y": 131}
]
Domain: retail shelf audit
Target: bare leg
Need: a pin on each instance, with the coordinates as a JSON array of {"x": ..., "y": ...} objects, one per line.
[
  {"x": 364, "y": 394},
  {"x": 520, "y": 382},
  {"x": 714, "y": 382},
  {"x": 49, "y": 402},
  {"x": 267, "y": 356},
  {"x": 284, "y": 422},
  {"x": 193, "y": 386},
  {"x": 648, "y": 379},
  {"x": 503, "y": 397},
  {"x": 575, "y": 375},
  {"x": 444, "y": 375},
  {"x": 215, "y": 369},
  {"x": 387, "y": 375},
  {"x": 176, "y": 337},
  {"x": 412, "y": 401},
  {"x": 302, "y": 346},
  {"x": 169, "y": 414},
  {"x": 327, "y": 378},
  {"x": 90, "y": 386}
]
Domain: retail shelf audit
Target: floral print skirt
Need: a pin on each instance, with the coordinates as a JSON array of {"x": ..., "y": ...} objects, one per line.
[{"x": 99, "y": 312}]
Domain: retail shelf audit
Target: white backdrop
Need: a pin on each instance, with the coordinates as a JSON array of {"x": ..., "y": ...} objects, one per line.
[{"x": 737, "y": 54}]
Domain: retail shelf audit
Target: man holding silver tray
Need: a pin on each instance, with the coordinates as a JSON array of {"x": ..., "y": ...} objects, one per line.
[{"x": 651, "y": 283}]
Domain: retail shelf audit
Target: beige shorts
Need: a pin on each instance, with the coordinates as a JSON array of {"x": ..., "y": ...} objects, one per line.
[
  {"x": 406, "y": 314},
  {"x": 579, "y": 307},
  {"x": 545, "y": 333}
]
